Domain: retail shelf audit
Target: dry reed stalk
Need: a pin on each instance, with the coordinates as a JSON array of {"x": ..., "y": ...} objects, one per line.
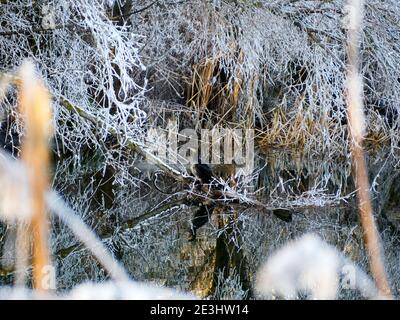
[
  {"x": 201, "y": 87},
  {"x": 35, "y": 107},
  {"x": 237, "y": 86},
  {"x": 203, "y": 90},
  {"x": 357, "y": 129},
  {"x": 249, "y": 110}
]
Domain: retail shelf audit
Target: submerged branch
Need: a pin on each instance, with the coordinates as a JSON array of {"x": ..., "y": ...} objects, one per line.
[
  {"x": 127, "y": 225},
  {"x": 86, "y": 235}
]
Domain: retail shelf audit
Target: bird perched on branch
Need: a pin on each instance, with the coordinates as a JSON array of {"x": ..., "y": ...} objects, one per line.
[
  {"x": 202, "y": 172},
  {"x": 206, "y": 181},
  {"x": 204, "y": 175}
]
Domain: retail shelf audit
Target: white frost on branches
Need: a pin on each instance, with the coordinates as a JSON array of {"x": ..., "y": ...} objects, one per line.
[
  {"x": 83, "y": 56},
  {"x": 264, "y": 46}
]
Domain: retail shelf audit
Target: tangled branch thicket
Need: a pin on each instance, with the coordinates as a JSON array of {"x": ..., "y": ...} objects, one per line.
[
  {"x": 287, "y": 56},
  {"x": 278, "y": 66},
  {"x": 84, "y": 57}
]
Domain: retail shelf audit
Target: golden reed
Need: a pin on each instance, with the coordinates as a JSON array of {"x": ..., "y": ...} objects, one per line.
[
  {"x": 35, "y": 109},
  {"x": 357, "y": 129}
]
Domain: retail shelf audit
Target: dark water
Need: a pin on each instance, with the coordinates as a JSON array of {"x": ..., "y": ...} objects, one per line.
[{"x": 153, "y": 245}]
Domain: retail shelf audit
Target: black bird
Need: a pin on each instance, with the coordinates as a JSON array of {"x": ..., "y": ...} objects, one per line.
[
  {"x": 205, "y": 176},
  {"x": 203, "y": 172}
]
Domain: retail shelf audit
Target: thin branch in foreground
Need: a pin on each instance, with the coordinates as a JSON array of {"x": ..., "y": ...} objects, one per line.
[
  {"x": 86, "y": 235},
  {"x": 356, "y": 121},
  {"x": 35, "y": 108}
]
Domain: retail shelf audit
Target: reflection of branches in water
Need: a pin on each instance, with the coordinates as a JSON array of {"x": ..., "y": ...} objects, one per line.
[
  {"x": 127, "y": 225},
  {"x": 230, "y": 287},
  {"x": 97, "y": 80},
  {"x": 84, "y": 234}
]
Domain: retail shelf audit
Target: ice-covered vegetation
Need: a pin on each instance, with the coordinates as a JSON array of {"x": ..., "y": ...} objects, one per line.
[{"x": 117, "y": 68}]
